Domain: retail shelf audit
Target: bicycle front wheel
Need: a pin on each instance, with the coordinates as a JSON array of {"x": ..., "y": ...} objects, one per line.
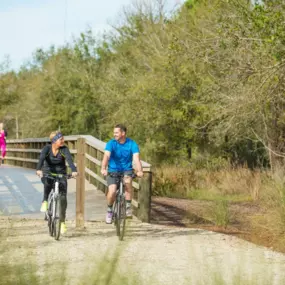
[
  {"x": 116, "y": 215},
  {"x": 121, "y": 220},
  {"x": 56, "y": 221}
]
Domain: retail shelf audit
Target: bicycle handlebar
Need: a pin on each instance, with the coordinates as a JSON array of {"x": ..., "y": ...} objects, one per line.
[{"x": 54, "y": 176}]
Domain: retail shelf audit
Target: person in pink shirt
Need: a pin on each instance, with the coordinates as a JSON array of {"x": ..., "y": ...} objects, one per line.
[{"x": 2, "y": 143}]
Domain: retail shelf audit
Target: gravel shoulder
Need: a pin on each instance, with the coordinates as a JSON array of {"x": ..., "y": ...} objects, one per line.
[{"x": 149, "y": 254}]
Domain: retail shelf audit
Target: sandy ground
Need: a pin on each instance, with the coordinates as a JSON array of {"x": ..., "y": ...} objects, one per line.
[{"x": 149, "y": 254}]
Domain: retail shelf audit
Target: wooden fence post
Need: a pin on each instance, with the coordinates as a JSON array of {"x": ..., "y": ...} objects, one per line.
[
  {"x": 80, "y": 182},
  {"x": 144, "y": 198}
]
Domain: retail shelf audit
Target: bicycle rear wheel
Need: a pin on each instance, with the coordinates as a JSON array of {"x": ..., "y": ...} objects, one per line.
[{"x": 56, "y": 221}]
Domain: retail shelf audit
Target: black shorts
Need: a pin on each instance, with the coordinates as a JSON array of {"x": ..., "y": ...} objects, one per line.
[{"x": 114, "y": 180}]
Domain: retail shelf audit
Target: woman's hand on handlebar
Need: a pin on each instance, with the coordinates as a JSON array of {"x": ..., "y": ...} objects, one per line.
[{"x": 74, "y": 174}]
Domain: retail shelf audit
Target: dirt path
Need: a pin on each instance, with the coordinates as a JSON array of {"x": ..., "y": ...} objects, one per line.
[{"x": 150, "y": 254}]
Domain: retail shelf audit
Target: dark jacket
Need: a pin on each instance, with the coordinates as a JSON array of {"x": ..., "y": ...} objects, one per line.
[{"x": 55, "y": 164}]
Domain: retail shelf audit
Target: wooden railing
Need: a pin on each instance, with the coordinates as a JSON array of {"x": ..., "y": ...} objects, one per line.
[{"x": 87, "y": 152}]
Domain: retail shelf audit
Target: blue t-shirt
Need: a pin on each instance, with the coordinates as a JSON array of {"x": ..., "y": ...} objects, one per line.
[{"x": 121, "y": 154}]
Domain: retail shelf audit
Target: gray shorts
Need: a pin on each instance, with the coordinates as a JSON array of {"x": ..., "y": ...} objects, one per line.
[{"x": 114, "y": 180}]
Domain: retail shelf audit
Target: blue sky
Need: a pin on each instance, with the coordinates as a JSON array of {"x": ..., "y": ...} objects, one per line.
[{"x": 26, "y": 25}]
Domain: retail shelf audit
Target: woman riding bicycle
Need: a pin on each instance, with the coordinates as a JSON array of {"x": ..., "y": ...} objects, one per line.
[{"x": 52, "y": 160}]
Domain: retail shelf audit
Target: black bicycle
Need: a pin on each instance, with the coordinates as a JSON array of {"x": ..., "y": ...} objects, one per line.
[
  {"x": 53, "y": 213},
  {"x": 119, "y": 206}
]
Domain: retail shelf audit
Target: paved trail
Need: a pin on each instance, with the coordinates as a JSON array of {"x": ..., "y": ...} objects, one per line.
[
  {"x": 21, "y": 194},
  {"x": 150, "y": 254}
]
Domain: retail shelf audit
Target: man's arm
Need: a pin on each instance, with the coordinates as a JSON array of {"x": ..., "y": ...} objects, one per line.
[
  {"x": 105, "y": 161},
  {"x": 138, "y": 164}
]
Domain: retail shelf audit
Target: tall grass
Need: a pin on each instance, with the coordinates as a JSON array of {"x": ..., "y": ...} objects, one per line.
[
  {"x": 226, "y": 187},
  {"x": 220, "y": 212},
  {"x": 270, "y": 224},
  {"x": 228, "y": 184}
]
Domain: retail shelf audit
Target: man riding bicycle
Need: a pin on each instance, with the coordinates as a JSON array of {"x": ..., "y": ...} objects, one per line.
[
  {"x": 119, "y": 154},
  {"x": 52, "y": 160}
]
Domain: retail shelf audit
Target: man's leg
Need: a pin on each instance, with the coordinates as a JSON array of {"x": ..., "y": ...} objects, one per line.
[
  {"x": 111, "y": 196},
  {"x": 129, "y": 193}
]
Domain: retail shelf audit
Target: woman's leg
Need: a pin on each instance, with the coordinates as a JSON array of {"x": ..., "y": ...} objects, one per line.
[
  {"x": 3, "y": 151},
  {"x": 47, "y": 187},
  {"x": 63, "y": 199}
]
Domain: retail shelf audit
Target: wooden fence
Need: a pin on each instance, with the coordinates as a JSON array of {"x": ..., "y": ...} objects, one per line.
[{"x": 87, "y": 152}]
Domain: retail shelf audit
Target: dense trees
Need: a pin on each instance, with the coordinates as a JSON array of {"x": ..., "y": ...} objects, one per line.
[{"x": 206, "y": 81}]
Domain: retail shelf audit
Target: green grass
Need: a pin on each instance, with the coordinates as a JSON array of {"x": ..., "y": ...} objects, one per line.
[
  {"x": 105, "y": 272},
  {"x": 221, "y": 214},
  {"x": 102, "y": 273}
]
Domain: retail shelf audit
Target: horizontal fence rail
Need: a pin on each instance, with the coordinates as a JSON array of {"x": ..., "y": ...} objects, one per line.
[{"x": 87, "y": 153}]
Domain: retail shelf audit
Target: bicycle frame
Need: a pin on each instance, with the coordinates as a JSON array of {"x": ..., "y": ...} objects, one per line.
[
  {"x": 53, "y": 196},
  {"x": 121, "y": 188},
  {"x": 120, "y": 191},
  {"x": 119, "y": 210},
  {"x": 55, "y": 190},
  {"x": 53, "y": 214}
]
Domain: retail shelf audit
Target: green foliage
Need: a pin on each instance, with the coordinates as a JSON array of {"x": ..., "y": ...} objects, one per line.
[
  {"x": 208, "y": 78},
  {"x": 9, "y": 93}
]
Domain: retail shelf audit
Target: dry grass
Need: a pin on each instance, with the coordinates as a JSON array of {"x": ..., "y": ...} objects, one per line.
[
  {"x": 227, "y": 184},
  {"x": 271, "y": 224},
  {"x": 227, "y": 187}
]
